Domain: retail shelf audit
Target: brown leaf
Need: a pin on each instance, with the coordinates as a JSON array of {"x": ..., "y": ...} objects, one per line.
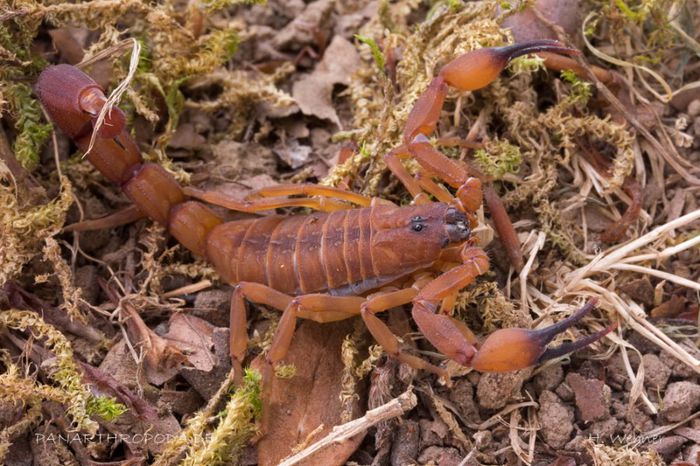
[
  {"x": 525, "y": 25},
  {"x": 293, "y": 153},
  {"x": 313, "y": 93},
  {"x": 162, "y": 359},
  {"x": 70, "y": 42},
  {"x": 206, "y": 383},
  {"x": 301, "y": 404},
  {"x": 186, "y": 137},
  {"x": 194, "y": 337},
  {"x": 306, "y": 26}
]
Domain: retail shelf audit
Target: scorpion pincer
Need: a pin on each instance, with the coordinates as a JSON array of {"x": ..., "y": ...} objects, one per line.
[{"x": 353, "y": 255}]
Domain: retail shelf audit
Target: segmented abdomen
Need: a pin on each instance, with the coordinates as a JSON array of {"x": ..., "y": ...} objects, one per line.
[{"x": 299, "y": 254}]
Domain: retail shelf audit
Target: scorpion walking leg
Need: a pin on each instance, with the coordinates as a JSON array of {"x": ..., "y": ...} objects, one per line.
[
  {"x": 262, "y": 294},
  {"x": 293, "y": 308},
  {"x": 255, "y": 292},
  {"x": 385, "y": 337},
  {"x": 316, "y": 307},
  {"x": 122, "y": 217}
]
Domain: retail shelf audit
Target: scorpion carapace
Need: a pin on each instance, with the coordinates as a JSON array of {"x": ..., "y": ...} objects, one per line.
[{"x": 355, "y": 255}]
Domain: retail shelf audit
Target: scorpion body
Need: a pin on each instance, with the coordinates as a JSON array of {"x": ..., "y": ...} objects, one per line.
[
  {"x": 354, "y": 255},
  {"x": 343, "y": 253}
]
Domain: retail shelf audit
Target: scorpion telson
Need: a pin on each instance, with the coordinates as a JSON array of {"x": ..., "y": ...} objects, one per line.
[{"x": 354, "y": 255}]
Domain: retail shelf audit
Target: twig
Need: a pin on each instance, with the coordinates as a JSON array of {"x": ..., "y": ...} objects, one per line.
[
  {"x": 658, "y": 273},
  {"x": 668, "y": 252},
  {"x": 116, "y": 94},
  {"x": 396, "y": 407},
  {"x": 614, "y": 259},
  {"x": 541, "y": 237}
]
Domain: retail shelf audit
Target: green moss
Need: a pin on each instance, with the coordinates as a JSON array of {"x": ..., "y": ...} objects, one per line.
[
  {"x": 236, "y": 425},
  {"x": 581, "y": 90},
  {"x": 498, "y": 158},
  {"x": 213, "y": 5},
  {"x": 106, "y": 407},
  {"x": 65, "y": 374},
  {"x": 32, "y": 131},
  {"x": 526, "y": 64},
  {"x": 285, "y": 371},
  {"x": 377, "y": 54}
]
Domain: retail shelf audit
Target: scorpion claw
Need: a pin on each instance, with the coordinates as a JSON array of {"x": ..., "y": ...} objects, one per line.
[
  {"x": 479, "y": 68},
  {"x": 516, "y": 348},
  {"x": 570, "y": 347}
]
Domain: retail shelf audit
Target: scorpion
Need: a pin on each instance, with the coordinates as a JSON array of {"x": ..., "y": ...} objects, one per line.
[{"x": 353, "y": 255}]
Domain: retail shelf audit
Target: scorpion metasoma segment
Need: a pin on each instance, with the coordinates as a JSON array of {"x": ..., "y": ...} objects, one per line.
[{"x": 354, "y": 255}]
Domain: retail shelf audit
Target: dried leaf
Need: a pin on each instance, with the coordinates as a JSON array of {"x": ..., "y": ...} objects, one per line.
[
  {"x": 299, "y": 405},
  {"x": 162, "y": 359},
  {"x": 313, "y": 93},
  {"x": 293, "y": 153}
]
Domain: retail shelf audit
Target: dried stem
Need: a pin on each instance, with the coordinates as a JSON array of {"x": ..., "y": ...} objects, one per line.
[{"x": 396, "y": 407}]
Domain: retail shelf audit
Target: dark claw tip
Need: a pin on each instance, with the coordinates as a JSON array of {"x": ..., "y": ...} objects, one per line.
[{"x": 545, "y": 45}]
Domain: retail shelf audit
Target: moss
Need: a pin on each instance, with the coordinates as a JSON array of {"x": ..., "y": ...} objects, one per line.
[
  {"x": 285, "y": 371},
  {"x": 498, "y": 158},
  {"x": 32, "y": 131},
  {"x": 106, "y": 407},
  {"x": 22, "y": 229},
  {"x": 581, "y": 91},
  {"x": 377, "y": 54},
  {"x": 236, "y": 426},
  {"x": 66, "y": 375},
  {"x": 215, "y": 5}
]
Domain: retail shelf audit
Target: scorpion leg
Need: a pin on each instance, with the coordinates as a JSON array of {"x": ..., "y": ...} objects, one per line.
[
  {"x": 307, "y": 189},
  {"x": 322, "y": 204},
  {"x": 385, "y": 337},
  {"x": 257, "y": 293},
  {"x": 343, "y": 307},
  {"x": 316, "y": 307},
  {"x": 122, "y": 217},
  {"x": 263, "y": 294}
]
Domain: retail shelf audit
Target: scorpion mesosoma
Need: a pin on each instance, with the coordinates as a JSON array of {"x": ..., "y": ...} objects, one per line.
[{"x": 339, "y": 261}]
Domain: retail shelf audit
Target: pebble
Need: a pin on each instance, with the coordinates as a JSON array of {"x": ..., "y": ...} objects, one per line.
[
  {"x": 592, "y": 397},
  {"x": 496, "y": 389},
  {"x": 556, "y": 419},
  {"x": 681, "y": 399}
]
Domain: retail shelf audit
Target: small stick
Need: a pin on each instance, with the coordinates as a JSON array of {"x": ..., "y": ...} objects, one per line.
[{"x": 396, "y": 407}]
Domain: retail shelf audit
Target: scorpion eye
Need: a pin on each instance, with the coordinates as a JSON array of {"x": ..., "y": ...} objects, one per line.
[
  {"x": 417, "y": 218},
  {"x": 417, "y": 226}
]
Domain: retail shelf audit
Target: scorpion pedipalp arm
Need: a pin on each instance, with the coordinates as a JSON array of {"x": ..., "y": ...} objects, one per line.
[
  {"x": 260, "y": 204},
  {"x": 307, "y": 189}
]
